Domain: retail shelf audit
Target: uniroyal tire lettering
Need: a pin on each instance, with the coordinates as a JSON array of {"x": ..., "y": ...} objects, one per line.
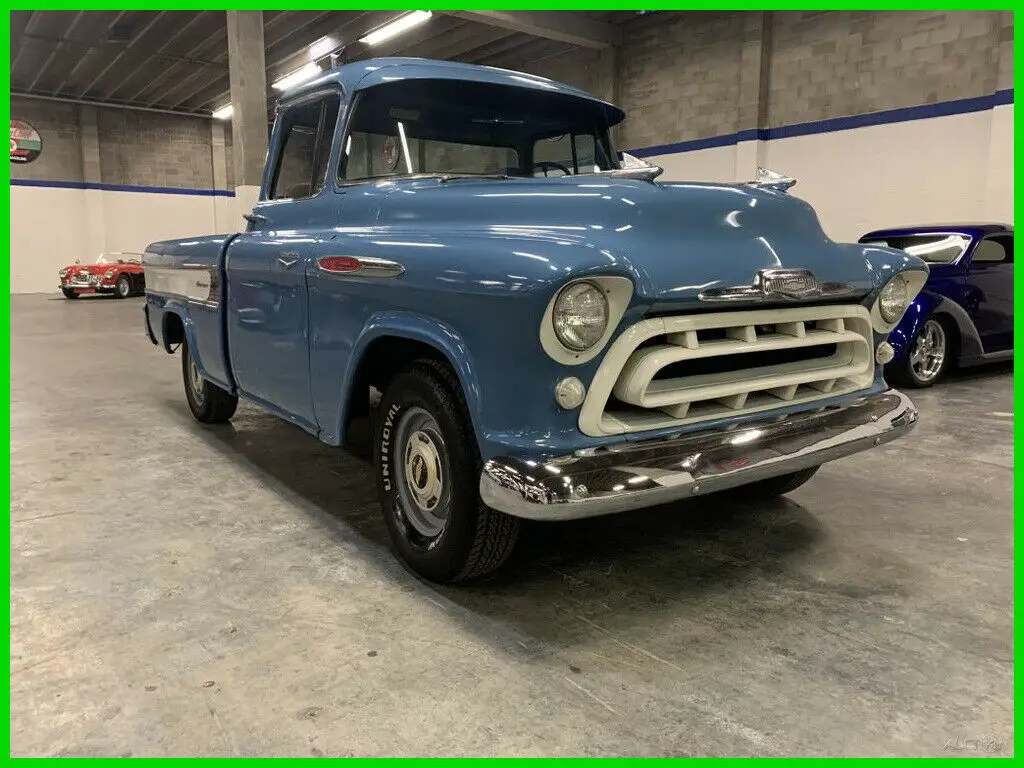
[{"x": 385, "y": 445}]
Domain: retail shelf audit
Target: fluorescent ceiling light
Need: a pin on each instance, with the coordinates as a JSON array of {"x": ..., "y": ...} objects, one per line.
[
  {"x": 322, "y": 47},
  {"x": 223, "y": 113},
  {"x": 396, "y": 27},
  {"x": 301, "y": 75}
]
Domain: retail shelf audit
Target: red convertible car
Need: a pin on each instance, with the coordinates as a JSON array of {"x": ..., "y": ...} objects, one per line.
[{"x": 119, "y": 274}]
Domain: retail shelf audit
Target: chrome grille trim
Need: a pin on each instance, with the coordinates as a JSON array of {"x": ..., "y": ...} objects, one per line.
[{"x": 629, "y": 370}]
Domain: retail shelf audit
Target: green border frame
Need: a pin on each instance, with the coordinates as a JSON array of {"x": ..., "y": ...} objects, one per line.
[{"x": 735, "y": 5}]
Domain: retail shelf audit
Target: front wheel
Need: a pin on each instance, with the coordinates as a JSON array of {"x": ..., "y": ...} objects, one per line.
[
  {"x": 929, "y": 356},
  {"x": 209, "y": 403},
  {"x": 428, "y": 474},
  {"x": 770, "y": 488}
]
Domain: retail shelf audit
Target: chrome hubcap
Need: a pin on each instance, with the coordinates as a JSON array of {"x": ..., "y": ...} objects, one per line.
[
  {"x": 195, "y": 379},
  {"x": 929, "y": 351},
  {"x": 423, "y": 472},
  {"x": 122, "y": 287}
]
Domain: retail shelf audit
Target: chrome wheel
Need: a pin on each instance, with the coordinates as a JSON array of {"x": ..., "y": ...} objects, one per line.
[
  {"x": 124, "y": 287},
  {"x": 422, "y": 472},
  {"x": 929, "y": 351},
  {"x": 195, "y": 380}
]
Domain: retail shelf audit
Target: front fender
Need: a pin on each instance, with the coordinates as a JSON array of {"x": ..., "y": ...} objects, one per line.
[
  {"x": 439, "y": 335},
  {"x": 902, "y": 336},
  {"x": 924, "y": 306}
]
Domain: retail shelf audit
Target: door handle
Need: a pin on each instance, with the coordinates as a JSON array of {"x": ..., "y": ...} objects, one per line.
[{"x": 287, "y": 261}]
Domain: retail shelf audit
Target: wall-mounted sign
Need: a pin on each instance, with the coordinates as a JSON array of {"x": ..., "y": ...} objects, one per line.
[{"x": 26, "y": 145}]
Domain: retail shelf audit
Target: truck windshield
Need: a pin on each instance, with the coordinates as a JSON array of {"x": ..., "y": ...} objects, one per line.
[{"x": 456, "y": 128}]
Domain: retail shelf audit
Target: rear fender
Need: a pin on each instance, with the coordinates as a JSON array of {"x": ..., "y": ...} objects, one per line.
[{"x": 180, "y": 309}]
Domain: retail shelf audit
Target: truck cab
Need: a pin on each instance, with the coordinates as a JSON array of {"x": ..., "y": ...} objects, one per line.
[{"x": 554, "y": 333}]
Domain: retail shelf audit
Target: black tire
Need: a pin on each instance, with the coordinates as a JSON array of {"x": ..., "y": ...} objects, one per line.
[
  {"x": 937, "y": 335},
  {"x": 772, "y": 487},
  {"x": 209, "y": 403},
  {"x": 123, "y": 287},
  {"x": 68, "y": 293},
  {"x": 459, "y": 539}
]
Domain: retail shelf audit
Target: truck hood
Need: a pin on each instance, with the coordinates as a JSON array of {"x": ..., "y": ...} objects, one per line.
[{"x": 673, "y": 239}]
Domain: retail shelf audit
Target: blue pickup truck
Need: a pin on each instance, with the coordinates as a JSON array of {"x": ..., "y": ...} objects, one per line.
[{"x": 537, "y": 328}]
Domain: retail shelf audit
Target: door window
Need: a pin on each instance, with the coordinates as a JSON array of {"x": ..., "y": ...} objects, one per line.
[
  {"x": 575, "y": 152},
  {"x": 994, "y": 250},
  {"x": 302, "y": 162}
]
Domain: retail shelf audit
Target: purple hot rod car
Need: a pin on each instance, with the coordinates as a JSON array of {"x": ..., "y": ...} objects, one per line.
[{"x": 964, "y": 314}]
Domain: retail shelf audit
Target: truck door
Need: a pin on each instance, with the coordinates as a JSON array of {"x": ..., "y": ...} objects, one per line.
[{"x": 268, "y": 300}]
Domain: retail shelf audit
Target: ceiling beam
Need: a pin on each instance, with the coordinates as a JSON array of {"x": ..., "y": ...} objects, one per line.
[
  {"x": 457, "y": 42},
  {"x": 482, "y": 52},
  {"x": 268, "y": 43},
  {"x": 155, "y": 96},
  {"x": 85, "y": 57},
  {"x": 131, "y": 44},
  {"x": 347, "y": 32},
  {"x": 104, "y": 104},
  {"x": 56, "y": 49},
  {"x": 163, "y": 47},
  {"x": 566, "y": 27},
  {"x": 30, "y": 21}
]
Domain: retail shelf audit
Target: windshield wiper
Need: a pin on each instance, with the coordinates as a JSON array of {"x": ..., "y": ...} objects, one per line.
[{"x": 448, "y": 176}]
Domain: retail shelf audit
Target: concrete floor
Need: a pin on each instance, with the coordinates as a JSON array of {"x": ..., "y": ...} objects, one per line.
[{"x": 181, "y": 590}]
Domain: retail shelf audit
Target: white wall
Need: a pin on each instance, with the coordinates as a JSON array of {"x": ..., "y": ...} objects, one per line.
[
  {"x": 957, "y": 167},
  {"x": 952, "y": 168},
  {"x": 51, "y": 227}
]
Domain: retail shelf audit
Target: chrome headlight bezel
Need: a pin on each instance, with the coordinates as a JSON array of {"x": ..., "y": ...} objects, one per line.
[
  {"x": 905, "y": 284},
  {"x": 108, "y": 274},
  {"x": 591, "y": 305},
  {"x": 893, "y": 299},
  {"x": 617, "y": 292}
]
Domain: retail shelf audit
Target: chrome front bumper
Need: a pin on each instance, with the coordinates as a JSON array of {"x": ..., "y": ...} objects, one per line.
[{"x": 600, "y": 481}]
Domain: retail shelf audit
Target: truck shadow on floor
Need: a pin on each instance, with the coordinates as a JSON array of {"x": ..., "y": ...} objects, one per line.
[{"x": 626, "y": 565}]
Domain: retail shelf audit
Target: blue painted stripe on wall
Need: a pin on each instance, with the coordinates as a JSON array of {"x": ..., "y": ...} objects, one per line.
[
  {"x": 121, "y": 188},
  {"x": 886, "y": 117}
]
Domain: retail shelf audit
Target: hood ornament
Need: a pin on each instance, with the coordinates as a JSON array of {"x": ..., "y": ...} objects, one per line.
[
  {"x": 778, "y": 285},
  {"x": 768, "y": 179}
]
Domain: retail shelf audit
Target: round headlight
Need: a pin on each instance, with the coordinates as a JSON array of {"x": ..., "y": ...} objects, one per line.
[
  {"x": 580, "y": 316},
  {"x": 892, "y": 301},
  {"x": 109, "y": 273}
]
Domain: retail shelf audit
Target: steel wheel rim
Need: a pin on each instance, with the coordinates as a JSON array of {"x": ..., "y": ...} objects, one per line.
[
  {"x": 929, "y": 351},
  {"x": 195, "y": 380},
  {"x": 123, "y": 287},
  {"x": 422, "y": 470}
]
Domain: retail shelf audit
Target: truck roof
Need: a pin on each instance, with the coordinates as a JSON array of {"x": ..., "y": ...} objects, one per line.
[{"x": 370, "y": 72}]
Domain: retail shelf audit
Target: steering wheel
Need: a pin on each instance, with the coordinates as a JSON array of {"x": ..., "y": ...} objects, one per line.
[{"x": 545, "y": 164}]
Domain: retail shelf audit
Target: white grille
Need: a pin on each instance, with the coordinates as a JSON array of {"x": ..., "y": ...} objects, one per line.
[{"x": 809, "y": 353}]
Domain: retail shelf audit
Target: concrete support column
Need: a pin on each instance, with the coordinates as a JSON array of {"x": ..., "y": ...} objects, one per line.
[
  {"x": 225, "y": 212},
  {"x": 608, "y": 79},
  {"x": 248, "y": 75},
  {"x": 755, "y": 77},
  {"x": 95, "y": 225}
]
